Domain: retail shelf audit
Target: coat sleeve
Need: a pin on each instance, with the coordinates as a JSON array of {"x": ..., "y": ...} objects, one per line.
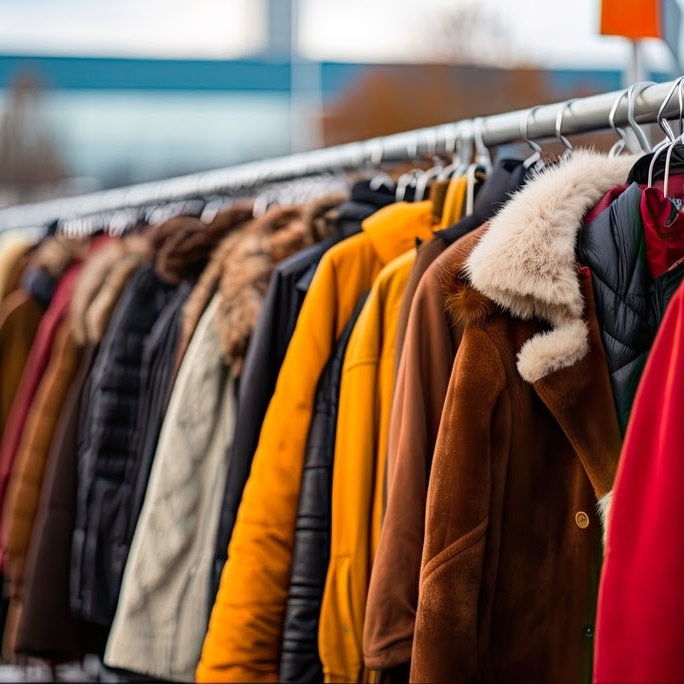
[
  {"x": 640, "y": 622},
  {"x": 457, "y": 514},
  {"x": 422, "y": 380}
]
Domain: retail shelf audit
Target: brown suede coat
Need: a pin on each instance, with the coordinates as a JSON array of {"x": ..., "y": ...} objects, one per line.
[
  {"x": 421, "y": 385},
  {"x": 528, "y": 444}
]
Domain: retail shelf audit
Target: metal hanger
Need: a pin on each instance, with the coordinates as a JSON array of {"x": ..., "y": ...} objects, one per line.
[
  {"x": 677, "y": 139},
  {"x": 408, "y": 179},
  {"x": 482, "y": 164},
  {"x": 482, "y": 156},
  {"x": 558, "y": 130},
  {"x": 433, "y": 172},
  {"x": 632, "y": 94},
  {"x": 537, "y": 150},
  {"x": 461, "y": 149},
  {"x": 617, "y": 149},
  {"x": 670, "y": 138},
  {"x": 381, "y": 178}
]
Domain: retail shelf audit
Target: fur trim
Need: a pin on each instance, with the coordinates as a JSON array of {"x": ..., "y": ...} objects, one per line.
[
  {"x": 466, "y": 306},
  {"x": 526, "y": 263},
  {"x": 93, "y": 274},
  {"x": 321, "y": 214},
  {"x": 240, "y": 270},
  {"x": 550, "y": 351},
  {"x": 247, "y": 266},
  {"x": 603, "y": 507}
]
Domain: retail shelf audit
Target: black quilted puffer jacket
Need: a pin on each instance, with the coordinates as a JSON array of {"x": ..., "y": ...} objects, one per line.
[
  {"x": 108, "y": 443},
  {"x": 299, "y": 660},
  {"x": 630, "y": 304}
]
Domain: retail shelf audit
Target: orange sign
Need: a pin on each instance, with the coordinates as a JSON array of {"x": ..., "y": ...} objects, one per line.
[{"x": 635, "y": 19}]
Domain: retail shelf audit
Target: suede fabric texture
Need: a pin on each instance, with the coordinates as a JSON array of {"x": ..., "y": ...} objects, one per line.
[
  {"x": 528, "y": 444},
  {"x": 245, "y": 629},
  {"x": 16, "y": 273},
  {"x": 421, "y": 386},
  {"x": 365, "y": 403},
  {"x": 512, "y": 545}
]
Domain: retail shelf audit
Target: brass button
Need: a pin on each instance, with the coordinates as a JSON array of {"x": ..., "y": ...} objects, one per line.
[{"x": 582, "y": 520}]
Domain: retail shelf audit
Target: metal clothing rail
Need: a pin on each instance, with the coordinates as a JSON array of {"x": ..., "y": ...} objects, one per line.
[{"x": 581, "y": 116}]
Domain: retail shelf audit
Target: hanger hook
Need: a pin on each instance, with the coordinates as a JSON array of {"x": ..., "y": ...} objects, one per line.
[
  {"x": 431, "y": 142},
  {"x": 451, "y": 136},
  {"x": 620, "y": 144},
  {"x": 559, "y": 123},
  {"x": 662, "y": 121},
  {"x": 377, "y": 152},
  {"x": 524, "y": 127},
  {"x": 483, "y": 157},
  {"x": 412, "y": 148},
  {"x": 632, "y": 95}
]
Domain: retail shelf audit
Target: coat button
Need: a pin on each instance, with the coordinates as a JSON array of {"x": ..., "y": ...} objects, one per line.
[
  {"x": 582, "y": 520},
  {"x": 589, "y": 631}
]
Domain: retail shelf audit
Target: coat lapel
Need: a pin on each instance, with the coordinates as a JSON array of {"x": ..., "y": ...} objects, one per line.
[{"x": 581, "y": 400}]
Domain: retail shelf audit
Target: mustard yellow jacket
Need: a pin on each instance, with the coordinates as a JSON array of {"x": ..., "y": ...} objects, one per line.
[
  {"x": 358, "y": 475},
  {"x": 245, "y": 629}
]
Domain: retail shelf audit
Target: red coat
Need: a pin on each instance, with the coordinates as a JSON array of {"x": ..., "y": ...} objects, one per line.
[{"x": 640, "y": 622}]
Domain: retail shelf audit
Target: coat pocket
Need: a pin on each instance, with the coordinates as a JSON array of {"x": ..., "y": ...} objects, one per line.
[{"x": 445, "y": 638}]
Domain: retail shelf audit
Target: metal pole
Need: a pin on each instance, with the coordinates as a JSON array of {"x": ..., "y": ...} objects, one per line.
[{"x": 586, "y": 114}]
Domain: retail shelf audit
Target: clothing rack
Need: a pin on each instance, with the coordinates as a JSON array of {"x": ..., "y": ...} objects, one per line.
[{"x": 580, "y": 115}]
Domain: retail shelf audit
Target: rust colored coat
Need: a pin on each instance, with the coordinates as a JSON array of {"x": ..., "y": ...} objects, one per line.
[
  {"x": 528, "y": 445},
  {"x": 422, "y": 381}
]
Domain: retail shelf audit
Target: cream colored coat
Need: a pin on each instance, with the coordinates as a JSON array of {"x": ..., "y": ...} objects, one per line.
[{"x": 162, "y": 614}]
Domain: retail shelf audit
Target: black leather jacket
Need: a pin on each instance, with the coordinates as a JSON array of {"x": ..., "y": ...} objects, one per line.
[{"x": 299, "y": 660}]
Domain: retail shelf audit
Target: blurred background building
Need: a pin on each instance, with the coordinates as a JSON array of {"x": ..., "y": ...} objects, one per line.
[{"x": 102, "y": 93}]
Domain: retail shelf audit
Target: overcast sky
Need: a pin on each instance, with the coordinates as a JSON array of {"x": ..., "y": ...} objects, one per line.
[{"x": 544, "y": 31}]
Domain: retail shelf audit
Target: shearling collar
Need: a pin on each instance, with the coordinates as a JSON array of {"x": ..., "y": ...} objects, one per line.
[
  {"x": 526, "y": 261},
  {"x": 241, "y": 266}
]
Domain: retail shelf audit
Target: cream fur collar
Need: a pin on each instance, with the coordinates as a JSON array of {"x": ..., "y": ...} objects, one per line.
[{"x": 525, "y": 262}]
